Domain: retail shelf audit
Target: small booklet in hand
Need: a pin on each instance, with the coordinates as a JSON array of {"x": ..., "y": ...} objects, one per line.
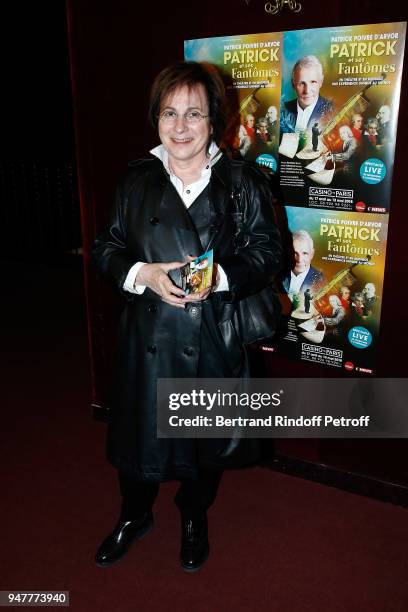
[{"x": 196, "y": 275}]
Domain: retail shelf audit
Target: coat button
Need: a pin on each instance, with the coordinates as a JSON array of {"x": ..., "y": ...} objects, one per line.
[
  {"x": 188, "y": 351},
  {"x": 194, "y": 311},
  {"x": 152, "y": 349},
  {"x": 154, "y": 220},
  {"x": 152, "y": 308}
]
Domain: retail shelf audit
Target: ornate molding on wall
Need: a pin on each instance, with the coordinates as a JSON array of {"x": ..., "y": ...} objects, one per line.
[{"x": 275, "y": 7}]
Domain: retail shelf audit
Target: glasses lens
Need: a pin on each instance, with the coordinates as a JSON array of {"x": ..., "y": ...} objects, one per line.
[
  {"x": 193, "y": 117},
  {"x": 168, "y": 116}
]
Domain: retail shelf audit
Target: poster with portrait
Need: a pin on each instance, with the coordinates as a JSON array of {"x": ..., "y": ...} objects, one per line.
[
  {"x": 332, "y": 294},
  {"x": 251, "y": 69},
  {"x": 339, "y": 113},
  {"x": 336, "y": 92}
]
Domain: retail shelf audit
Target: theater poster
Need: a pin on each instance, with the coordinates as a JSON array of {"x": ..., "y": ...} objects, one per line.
[
  {"x": 251, "y": 69},
  {"x": 332, "y": 303},
  {"x": 334, "y": 156},
  {"x": 339, "y": 112}
]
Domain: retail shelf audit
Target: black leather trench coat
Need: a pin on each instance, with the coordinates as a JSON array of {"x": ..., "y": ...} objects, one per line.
[{"x": 157, "y": 340}]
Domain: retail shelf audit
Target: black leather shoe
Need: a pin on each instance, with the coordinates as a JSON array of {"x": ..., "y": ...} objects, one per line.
[
  {"x": 117, "y": 544},
  {"x": 194, "y": 543}
]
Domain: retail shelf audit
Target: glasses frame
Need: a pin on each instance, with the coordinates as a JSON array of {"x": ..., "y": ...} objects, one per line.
[{"x": 170, "y": 120}]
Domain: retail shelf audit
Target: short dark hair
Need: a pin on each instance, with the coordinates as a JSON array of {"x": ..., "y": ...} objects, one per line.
[{"x": 190, "y": 74}]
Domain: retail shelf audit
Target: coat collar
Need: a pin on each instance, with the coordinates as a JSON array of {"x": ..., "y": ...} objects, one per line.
[
  {"x": 220, "y": 182},
  {"x": 160, "y": 190},
  {"x": 222, "y": 170}
]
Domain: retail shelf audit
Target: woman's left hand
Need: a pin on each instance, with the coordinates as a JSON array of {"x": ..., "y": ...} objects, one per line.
[{"x": 199, "y": 296}]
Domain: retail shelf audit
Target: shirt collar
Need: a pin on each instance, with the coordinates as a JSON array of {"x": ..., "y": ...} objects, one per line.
[
  {"x": 161, "y": 153},
  {"x": 300, "y": 276},
  {"x": 308, "y": 110}
]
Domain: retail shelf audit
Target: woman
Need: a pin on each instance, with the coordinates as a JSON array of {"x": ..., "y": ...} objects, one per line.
[{"x": 168, "y": 209}]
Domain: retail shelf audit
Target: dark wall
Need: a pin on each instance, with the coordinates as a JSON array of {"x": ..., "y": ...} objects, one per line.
[
  {"x": 38, "y": 187},
  {"x": 116, "y": 49},
  {"x": 36, "y": 120}
]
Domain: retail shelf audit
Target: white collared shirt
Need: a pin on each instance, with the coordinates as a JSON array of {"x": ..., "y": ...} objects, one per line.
[
  {"x": 296, "y": 281},
  {"x": 303, "y": 116},
  {"x": 188, "y": 194}
]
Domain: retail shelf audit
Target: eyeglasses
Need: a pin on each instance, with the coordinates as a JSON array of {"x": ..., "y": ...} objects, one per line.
[{"x": 191, "y": 117}]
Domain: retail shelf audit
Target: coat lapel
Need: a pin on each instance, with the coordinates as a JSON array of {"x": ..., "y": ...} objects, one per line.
[
  {"x": 220, "y": 197},
  {"x": 167, "y": 206},
  {"x": 169, "y": 210}
]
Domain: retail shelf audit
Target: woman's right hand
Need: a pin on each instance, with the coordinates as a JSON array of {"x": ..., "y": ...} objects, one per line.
[{"x": 155, "y": 276}]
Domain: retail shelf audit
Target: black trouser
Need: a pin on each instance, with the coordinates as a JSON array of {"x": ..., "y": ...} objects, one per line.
[{"x": 193, "y": 497}]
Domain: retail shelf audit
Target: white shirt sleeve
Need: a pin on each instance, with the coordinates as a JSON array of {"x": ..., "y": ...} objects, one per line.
[
  {"x": 129, "y": 284},
  {"x": 223, "y": 285}
]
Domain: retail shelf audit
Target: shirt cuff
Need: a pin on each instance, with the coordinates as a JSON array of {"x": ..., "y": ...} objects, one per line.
[
  {"x": 129, "y": 284},
  {"x": 223, "y": 284}
]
